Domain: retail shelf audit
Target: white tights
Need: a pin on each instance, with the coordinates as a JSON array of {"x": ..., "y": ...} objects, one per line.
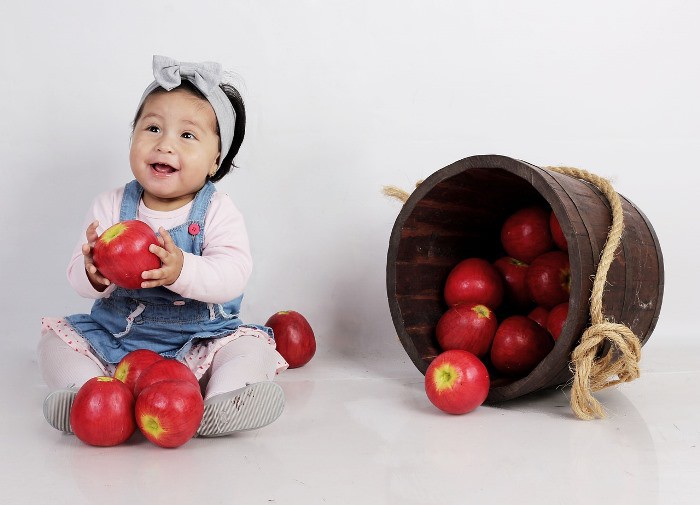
[{"x": 242, "y": 361}]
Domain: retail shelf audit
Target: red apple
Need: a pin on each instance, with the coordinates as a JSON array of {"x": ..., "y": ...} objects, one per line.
[
  {"x": 293, "y": 336},
  {"x": 557, "y": 234},
  {"x": 121, "y": 253},
  {"x": 467, "y": 326},
  {"x": 549, "y": 278},
  {"x": 169, "y": 412},
  {"x": 513, "y": 272},
  {"x": 133, "y": 364},
  {"x": 165, "y": 369},
  {"x": 474, "y": 280},
  {"x": 539, "y": 315},
  {"x": 519, "y": 345},
  {"x": 103, "y": 412},
  {"x": 525, "y": 234},
  {"x": 556, "y": 319},
  {"x": 457, "y": 382}
]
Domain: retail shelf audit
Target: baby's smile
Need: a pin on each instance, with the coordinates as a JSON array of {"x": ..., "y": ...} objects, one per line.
[{"x": 163, "y": 168}]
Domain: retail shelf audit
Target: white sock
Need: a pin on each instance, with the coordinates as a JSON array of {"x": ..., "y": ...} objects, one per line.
[
  {"x": 243, "y": 361},
  {"x": 62, "y": 366}
]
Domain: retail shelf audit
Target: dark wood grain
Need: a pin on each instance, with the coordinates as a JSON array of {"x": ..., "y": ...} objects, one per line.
[{"x": 457, "y": 213}]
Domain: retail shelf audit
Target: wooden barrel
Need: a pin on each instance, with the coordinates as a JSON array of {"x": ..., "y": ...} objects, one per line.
[{"x": 457, "y": 213}]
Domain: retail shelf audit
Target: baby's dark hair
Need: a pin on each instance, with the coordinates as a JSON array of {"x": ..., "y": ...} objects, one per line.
[
  {"x": 238, "y": 132},
  {"x": 239, "y": 129}
]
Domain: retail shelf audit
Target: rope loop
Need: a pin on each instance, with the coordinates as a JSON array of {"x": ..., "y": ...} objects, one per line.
[{"x": 591, "y": 374}]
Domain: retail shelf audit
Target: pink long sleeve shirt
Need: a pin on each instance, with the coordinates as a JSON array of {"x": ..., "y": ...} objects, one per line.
[{"x": 219, "y": 275}]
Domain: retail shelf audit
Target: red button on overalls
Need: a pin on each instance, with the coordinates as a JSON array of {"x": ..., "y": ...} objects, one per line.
[{"x": 193, "y": 229}]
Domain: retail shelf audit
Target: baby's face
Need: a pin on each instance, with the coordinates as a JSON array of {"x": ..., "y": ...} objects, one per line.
[{"x": 174, "y": 147}]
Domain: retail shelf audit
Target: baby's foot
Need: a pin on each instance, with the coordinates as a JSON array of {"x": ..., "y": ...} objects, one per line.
[
  {"x": 248, "y": 408},
  {"x": 57, "y": 409}
]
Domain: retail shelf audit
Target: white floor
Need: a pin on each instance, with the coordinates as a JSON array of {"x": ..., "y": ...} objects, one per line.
[{"x": 361, "y": 431}]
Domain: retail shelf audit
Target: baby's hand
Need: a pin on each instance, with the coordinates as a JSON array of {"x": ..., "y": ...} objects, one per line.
[
  {"x": 171, "y": 257},
  {"x": 98, "y": 281}
]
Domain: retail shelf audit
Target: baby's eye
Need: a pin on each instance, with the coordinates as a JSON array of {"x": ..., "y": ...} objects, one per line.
[
  {"x": 188, "y": 135},
  {"x": 152, "y": 129}
]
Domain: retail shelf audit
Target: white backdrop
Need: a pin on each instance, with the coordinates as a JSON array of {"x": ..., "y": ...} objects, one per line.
[{"x": 343, "y": 97}]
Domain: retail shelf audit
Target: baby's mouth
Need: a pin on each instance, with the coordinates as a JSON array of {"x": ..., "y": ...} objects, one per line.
[{"x": 162, "y": 168}]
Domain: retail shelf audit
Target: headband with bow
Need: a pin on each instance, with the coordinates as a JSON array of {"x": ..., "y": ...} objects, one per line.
[{"x": 206, "y": 77}]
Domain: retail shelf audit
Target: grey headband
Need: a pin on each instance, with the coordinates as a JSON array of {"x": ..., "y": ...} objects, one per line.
[{"x": 206, "y": 77}]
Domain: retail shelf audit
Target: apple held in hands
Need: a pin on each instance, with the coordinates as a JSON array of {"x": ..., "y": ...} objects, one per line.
[
  {"x": 121, "y": 253},
  {"x": 474, "y": 280},
  {"x": 133, "y": 364},
  {"x": 526, "y": 234},
  {"x": 169, "y": 412},
  {"x": 549, "y": 279},
  {"x": 457, "y": 382},
  {"x": 103, "y": 412},
  {"x": 162, "y": 370},
  {"x": 294, "y": 337},
  {"x": 519, "y": 345},
  {"x": 467, "y": 326}
]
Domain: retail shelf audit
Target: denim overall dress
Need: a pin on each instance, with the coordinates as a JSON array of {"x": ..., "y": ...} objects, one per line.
[{"x": 157, "y": 318}]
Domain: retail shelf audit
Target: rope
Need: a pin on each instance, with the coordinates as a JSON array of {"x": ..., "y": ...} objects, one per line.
[
  {"x": 398, "y": 193},
  {"x": 622, "y": 358}
]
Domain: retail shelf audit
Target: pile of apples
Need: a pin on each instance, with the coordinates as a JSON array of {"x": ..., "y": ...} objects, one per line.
[
  {"x": 505, "y": 314},
  {"x": 161, "y": 396}
]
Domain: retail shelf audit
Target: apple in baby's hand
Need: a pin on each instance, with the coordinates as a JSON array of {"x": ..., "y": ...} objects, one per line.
[
  {"x": 103, "y": 412},
  {"x": 133, "y": 364},
  {"x": 457, "y": 382},
  {"x": 513, "y": 272},
  {"x": 556, "y": 319},
  {"x": 539, "y": 315},
  {"x": 121, "y": 253},
  {"x": 557, "y": 233},
  {"x": 549, "y": 278},
  {"x": 474, "y": 280},
  {"x": 165, "y": 369},
  {"x": 519, "y": 345},
  {"x": 294, "y": 337},
  {"x": 525, "y": 234},
  {"x": 467, "y": 326},
  {"x": 169, "y": 412}
]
